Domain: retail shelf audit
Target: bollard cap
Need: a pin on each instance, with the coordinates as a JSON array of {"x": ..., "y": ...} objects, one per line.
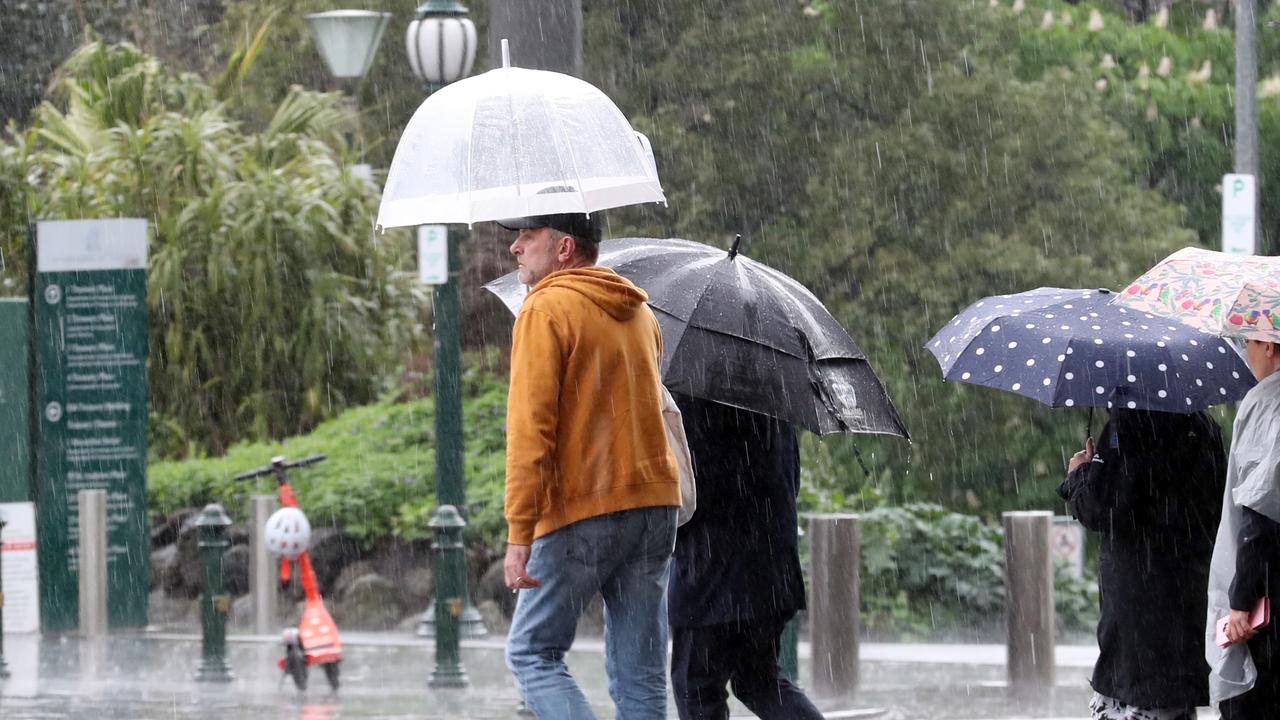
[
  {"x": 213, "y": 516},
  {"x": 445, "y": 517}
]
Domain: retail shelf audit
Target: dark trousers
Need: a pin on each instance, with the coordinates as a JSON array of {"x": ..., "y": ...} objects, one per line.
[
  {"x": 744, "y": 656},
  {"x": 1263, "y": 701}
]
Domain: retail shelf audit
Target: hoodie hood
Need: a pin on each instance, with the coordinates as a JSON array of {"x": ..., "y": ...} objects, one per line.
[{"x": 608, "y": 290}]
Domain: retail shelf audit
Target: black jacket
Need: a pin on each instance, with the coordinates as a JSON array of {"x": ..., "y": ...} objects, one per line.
[
  {"x": 1154, "y": 493},
  {"x": 738, "y": 557}
]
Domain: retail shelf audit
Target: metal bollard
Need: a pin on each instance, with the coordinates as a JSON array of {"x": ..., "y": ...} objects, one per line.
[
  {"x": 835, "y": 624},
  {"x": 1029, "y": 598},
  {"x": 214, "y": 603},
  {"x": 451, "y": 591},
  {"x": 4, "y": 667},
  {"x": 263, "y": 568},
  {"x": 93, "y": 562}
]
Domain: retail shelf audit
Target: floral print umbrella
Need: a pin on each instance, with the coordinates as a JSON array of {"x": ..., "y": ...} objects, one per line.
[{"x": 1226, "y": 295}]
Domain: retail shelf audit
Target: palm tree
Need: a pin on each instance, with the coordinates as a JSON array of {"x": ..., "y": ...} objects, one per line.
[{"x": 272, "y": 303}]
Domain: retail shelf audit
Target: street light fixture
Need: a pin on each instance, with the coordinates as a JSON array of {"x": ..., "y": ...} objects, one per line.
[
  {"x": 348, "y": 40},
  {"x": 441, "y": 45}
]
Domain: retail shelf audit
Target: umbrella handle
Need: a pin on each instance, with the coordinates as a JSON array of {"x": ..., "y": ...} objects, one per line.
[{"x": 1088, "y": 428}]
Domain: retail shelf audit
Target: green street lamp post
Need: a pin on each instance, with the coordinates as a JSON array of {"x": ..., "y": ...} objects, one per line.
[
  {"x": 451, "y": 595},
  {"x": 214, "y": 602},
  {"x": 441, "y": 45}
]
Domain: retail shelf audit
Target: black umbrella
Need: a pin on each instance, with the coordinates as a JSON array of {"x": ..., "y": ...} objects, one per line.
[{"x": 740, "y": 333}]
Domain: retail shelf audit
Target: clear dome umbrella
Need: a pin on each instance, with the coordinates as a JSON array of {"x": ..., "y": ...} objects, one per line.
[{"x": 512, "y": 143}]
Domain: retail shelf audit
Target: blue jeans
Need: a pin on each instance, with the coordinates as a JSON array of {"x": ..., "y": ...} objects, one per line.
[{"x": 623, "y": 556}]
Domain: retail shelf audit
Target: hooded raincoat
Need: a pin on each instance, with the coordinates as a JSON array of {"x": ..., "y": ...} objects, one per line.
[{"x": 1253, "y": 482}]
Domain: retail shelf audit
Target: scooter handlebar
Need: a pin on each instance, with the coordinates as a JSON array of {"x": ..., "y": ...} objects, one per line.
[{"x": 281, "y": 463}]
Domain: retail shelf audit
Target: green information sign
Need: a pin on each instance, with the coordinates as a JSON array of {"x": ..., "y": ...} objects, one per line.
[
  {"x": 15, "y": 401},
  {"x": 90, "y": 399}
]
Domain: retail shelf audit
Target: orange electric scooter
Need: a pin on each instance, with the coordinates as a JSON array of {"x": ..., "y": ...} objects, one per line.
[{"x": 315, "y": 641}]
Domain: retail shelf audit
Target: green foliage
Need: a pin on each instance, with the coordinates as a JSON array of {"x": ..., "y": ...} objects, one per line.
[
  {"x": 928, "y": 572},
  {"x": 1171, "y": 89},
  {"x": 379, "y": 479},
  {"x": 272, "y": 303},
  {"x": 888, "y": 156}
]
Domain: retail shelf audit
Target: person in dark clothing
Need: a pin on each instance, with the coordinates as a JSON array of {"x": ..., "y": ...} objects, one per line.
[
  {"x": 735, "y": 577},
  {"x": 1151, "y": 492}
]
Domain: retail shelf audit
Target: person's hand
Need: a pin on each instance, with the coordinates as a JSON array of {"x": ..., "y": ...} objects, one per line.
[
  {"x": 513, "y": 568},
  {"x": 1082, "y": 457},
  {"x": 1238, "y": 627}
]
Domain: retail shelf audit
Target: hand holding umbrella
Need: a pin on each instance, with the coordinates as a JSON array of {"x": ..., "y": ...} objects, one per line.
[{"x": 1082, "y": 457}]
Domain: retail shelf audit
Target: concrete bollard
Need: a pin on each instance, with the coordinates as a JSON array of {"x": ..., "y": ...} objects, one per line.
[
  {"x": 263, "y": 567},
  {"x": 1029, "y": 599},
  {"x": 834, "y": 608},
  {"x": 92, "y": 564}
]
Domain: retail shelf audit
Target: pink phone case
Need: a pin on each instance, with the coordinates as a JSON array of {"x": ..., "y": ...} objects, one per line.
[{"x": 1259, "y": 618}]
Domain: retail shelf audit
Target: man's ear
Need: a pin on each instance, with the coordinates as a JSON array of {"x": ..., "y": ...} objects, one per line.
[{"x": 566, "y": 248}]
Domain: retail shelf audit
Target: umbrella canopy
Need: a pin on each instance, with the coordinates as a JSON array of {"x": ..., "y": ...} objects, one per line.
[
  {"x": 1069, "y": 348},
  {"x": 740, "y": 333},
  {"x": 1227, "y": 295},
  {"x": 512, "y": 143}
]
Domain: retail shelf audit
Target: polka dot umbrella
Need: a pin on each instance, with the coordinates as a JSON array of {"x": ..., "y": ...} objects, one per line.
[{"x": 1072, "y": 348}]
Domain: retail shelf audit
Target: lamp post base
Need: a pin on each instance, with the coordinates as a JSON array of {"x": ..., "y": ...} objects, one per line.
[
  {"x": 215, "y": 671},
  {"x": 470, "y": 624},
  {"x": 448, "y": 677}
]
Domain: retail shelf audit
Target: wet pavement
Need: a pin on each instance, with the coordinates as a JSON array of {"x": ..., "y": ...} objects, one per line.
[{"x": 149, "y": 676}]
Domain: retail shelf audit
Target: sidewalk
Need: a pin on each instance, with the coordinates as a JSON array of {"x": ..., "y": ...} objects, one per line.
[{"x": 385, "y": 675}]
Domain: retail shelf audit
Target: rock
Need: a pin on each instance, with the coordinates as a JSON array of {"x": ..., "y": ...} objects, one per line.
[
  {"x": 408, "y": 566},
  {"x": 186, "y": 581},
  {"x": 163, "y": 566},
  {"x": 241, "y": 617},
  {"x": 479, "y": 559},
  {"x": 349, "y": 575},
  {"x": 370, "y": 602},
  {"x": 238, "y": 534},
  {"x": 331, "y": 551},
  {"x": 493, "y": 588},
  {"x": 235, "y": 570},
  {"x": 409, "y": 623},
  {"x": 495, "y": 619},
  {"x": 166, "y": 533},
  {"x": 417, "y": 586},
  {"x": 171, "y": 612}
]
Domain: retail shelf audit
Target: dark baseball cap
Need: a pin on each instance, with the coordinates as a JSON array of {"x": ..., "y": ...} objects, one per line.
[{"x": 580, "y": 225}]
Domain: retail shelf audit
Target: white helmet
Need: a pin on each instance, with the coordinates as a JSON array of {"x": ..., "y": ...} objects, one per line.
[{"x": 288, "y": 532}]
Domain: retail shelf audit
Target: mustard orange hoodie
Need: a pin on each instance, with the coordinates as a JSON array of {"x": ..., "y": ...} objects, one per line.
[{"x": 585, "y": 435}]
